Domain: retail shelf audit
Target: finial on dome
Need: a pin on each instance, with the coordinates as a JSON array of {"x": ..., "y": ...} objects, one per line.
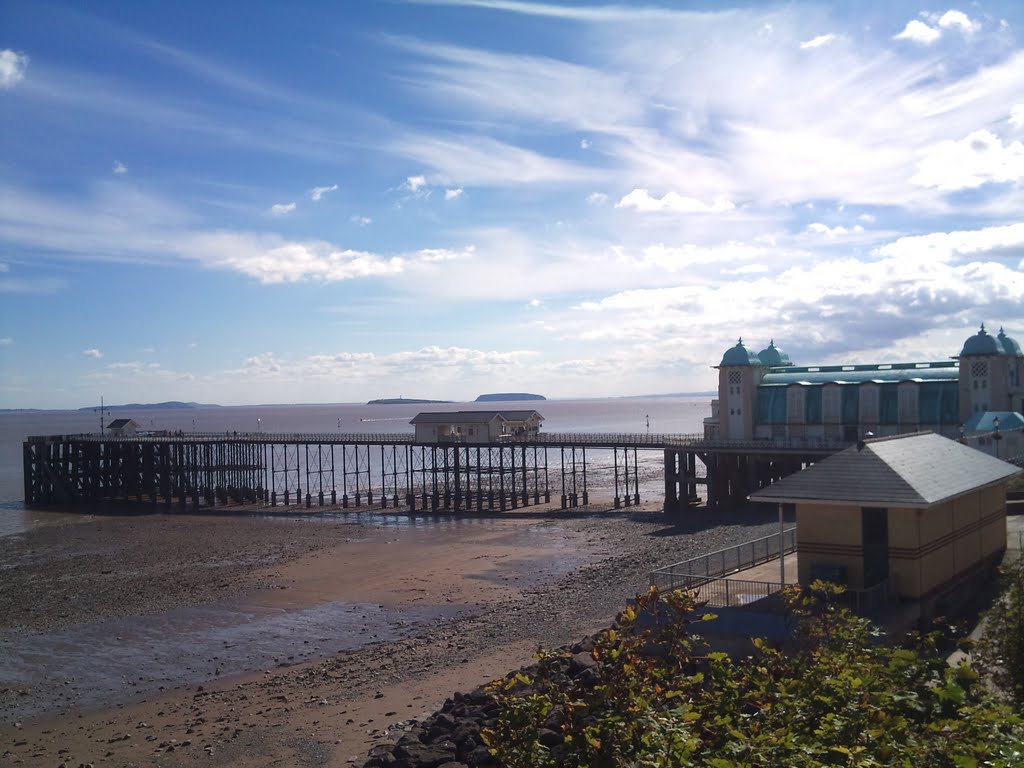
[
  {"x": 771, "y": 343},
  {"x": 740, "y": 342},
  {"x": 982, "y": 328}
]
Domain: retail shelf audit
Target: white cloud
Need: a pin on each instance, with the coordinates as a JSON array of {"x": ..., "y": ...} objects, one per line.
[
  {"x": 867, "y": 218},
  {"x": 415, "y": 183},
  {"x": 6, "y": 341},
  {"x": 133, "y": 366},
  {"x": 12, "y": 67},
  {"x": 584, "y": 143},
  {"x": 1017, "y": 116},
  {"x": 281, "y": 209},
  {"x": 316, "y": 193},
  {"x": 945, "y": 246},
  {"x": 262, "y": 364},
  {"x": 953, "y": 18},
  {"x": 672, "y": 202},
  {"x": 817, "y": 42},
  {"x": 362, "y": 221},
  {"x": 453, "y": 194},
  {"x": 919, "y": 32},
  {"x": 478, "y": 161},
  {"x": 94, "y": 353},
  {"x": 597, "y": 198},
  {"x": 119, "y": 167},
  {"x": 271, "y": 259},
  {"x": 977, "y": 159},
  {"x": 833, "y": 232}
]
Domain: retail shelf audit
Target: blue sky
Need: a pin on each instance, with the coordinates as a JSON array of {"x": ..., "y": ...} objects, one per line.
[{"x": 329, "y": 202}]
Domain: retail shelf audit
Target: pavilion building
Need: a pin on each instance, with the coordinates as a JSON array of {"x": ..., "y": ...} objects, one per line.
[{"x": 764, "y": 396}]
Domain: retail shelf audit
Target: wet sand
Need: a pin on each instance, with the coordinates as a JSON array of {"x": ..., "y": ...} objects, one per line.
[{"x": 172, "y": 640}]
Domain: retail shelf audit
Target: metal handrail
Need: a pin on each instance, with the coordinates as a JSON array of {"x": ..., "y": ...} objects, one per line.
[
  {"x": 724, "y": 561},
  {"x": 724, "y": 592}
]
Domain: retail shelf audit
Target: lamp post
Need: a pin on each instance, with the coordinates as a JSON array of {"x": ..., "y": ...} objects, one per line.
[{"x": 996, "y": 434}]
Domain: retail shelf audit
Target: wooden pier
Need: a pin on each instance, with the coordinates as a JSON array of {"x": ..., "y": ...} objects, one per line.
[
  {"x": 195, "y": 471},
  {"x": 733, "y": 469}
]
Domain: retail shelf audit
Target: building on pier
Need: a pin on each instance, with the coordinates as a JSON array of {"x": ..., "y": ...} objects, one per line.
[
  {"x": 476, "y": 427},
  {"x": 122, "y": 428},
  {"x": 763, "y": 396}
]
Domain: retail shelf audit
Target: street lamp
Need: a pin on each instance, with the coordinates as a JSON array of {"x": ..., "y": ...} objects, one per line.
[
  {"x": 996, "y": 435},
  {"x": 259, "y": 424}
]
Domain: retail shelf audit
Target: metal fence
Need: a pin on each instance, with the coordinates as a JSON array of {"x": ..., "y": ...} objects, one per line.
[
  {"x": 871, "y": 601},
  {"x": 725, "y": 561},
  {"x": 733, "y": 593}
]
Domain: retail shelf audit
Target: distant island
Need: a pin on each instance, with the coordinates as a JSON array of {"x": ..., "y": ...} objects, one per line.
[
  {"x": 496, "y": 397},
  {"x": 171, "y": 405},
  {"x": 405, "y": 401}
]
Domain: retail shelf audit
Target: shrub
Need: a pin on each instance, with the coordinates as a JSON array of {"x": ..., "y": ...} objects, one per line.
[
  {"x": 836, "y": 696},
  {"x": 1001, "y": 649}
]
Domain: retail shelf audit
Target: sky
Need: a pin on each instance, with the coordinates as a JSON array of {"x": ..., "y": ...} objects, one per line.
[{"x": 245, "y": 203}]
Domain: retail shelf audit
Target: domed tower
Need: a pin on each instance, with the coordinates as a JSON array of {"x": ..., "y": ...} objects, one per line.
[
  {"x": 773, "y": 357},
  {"x": 1015, "y": 370},
  {"x": 739, "y": 373},
  {"x": 984, "y": 375}
]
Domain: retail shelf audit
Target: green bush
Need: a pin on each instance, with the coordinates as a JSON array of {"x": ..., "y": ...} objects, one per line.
[
  {"x": 1001, "y": 649},
  {"x": 836, "y": 696}
]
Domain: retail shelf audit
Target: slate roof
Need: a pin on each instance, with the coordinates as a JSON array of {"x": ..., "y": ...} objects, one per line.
[
  {"x": 120, "y": 423},
  {"x": 472, "y": 417},
  {"x": 918, "y": 470}
]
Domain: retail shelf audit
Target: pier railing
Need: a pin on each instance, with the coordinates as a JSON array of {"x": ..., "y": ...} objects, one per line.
[
  {"x": 232, "y": 436},
  {"x": 697, "y": 570},
  {"x": 814, "y": 444},
  {"x": 588, "y": 439}
]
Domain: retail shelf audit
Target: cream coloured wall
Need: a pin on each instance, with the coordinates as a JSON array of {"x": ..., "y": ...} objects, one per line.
[
  {"x": 904, "y": 535},
  {"x": 829, "y": 536},
  {"x": 928, "y": 548}
]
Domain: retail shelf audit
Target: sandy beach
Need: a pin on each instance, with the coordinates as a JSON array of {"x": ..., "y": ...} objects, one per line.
[{"x": 174, "y": 640}]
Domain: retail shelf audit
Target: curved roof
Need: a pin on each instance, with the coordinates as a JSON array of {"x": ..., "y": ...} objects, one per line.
[
  {"x": 1011, "y": 347},
  {"x": 982, "y": 343},
  {"x": 740, "y": 355},
  {"x": 862, "y": 374},
  {"x": 985, "y": 422},
  {"x": 772, "y": 355}
]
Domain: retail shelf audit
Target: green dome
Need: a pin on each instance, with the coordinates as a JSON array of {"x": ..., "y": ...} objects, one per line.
[
  {"x": 740, "y": 355},
  {"x": 772, "y": 355},
  {"x": 982, "y": 343},
  {"x": 1011, "y": 347}
]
